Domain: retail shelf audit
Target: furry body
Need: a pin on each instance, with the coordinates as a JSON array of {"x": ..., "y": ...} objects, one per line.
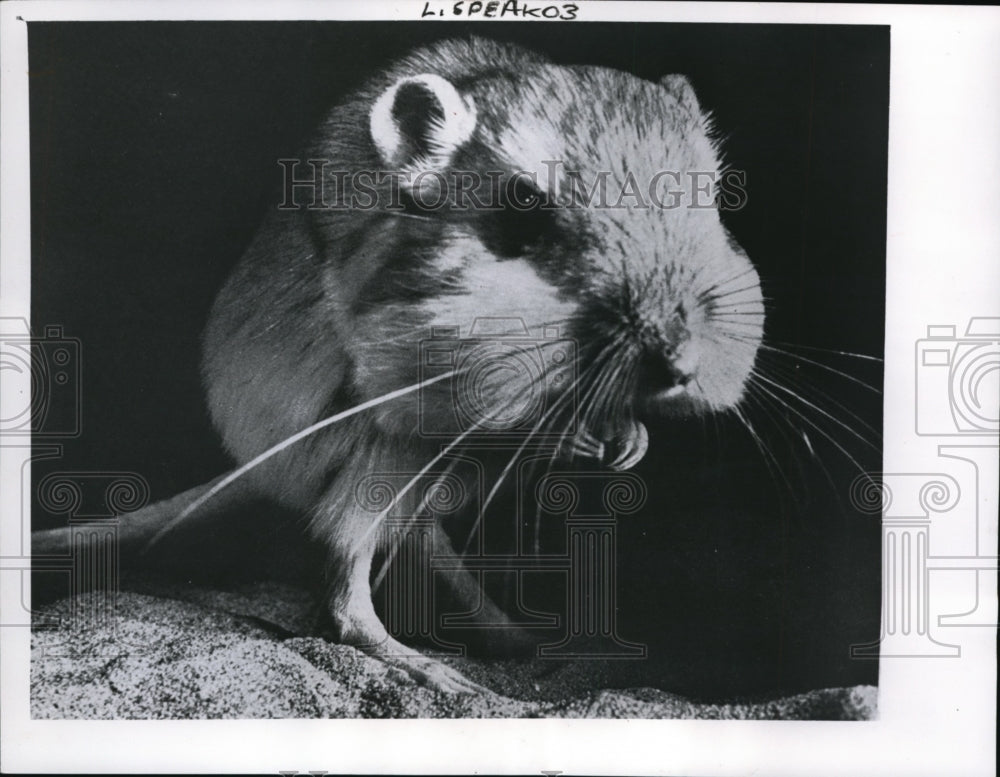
[{"x": 328, "y": 307}]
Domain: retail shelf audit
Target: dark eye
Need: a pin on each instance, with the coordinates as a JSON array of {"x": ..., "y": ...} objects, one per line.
[
  {"x": 522, "y": 223},
  {"x": 522, "y": 194}
]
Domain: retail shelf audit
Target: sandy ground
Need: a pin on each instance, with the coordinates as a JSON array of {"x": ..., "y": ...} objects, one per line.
[{"x": 248, "y": 653}]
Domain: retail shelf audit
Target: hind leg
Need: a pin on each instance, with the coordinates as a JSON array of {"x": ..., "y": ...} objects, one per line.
[
  {"x": 476, "y": 609},
  {"x": 352, "y": 539}
]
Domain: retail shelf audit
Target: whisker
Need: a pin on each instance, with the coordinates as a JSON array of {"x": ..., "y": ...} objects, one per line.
[
  {"x": 729, "y": 279},
  {"x": 537, "y": 528},
  {"x": 377, "y": 521},
  {"x": 865, "y": 356},
  {"x": 426, "y": 468},
  {"x": 777, "y": 414},
  {"x": 820, "y": 365},
  {"x": 537, "y": 429},
  {"x": 289, "y": 441},
  {"x": 736, "y": 333},
  {"x": 813, "y": 424},
  {"x": 823, "y": 395},
  {"x": 764, "y": 399},
  {"x": 510, "y": 402},
  {"x": 401, "y": 215},
  {"x": 603, "y": 379},
  {"x": 556, "y": 406},
  {"x": 847, "y": 427},
  {"x": 594, "y": 368},
  {"x": 423, "y": 332},
  {"x": 767, "y": 455},
  {"x": 705, "y": 297}
]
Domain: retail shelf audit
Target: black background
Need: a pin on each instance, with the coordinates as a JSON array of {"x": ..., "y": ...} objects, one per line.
[{"x": 154, "y": 149}]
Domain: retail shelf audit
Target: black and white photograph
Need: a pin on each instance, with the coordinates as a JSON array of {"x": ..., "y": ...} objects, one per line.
[{"x": 420, "y": 367}]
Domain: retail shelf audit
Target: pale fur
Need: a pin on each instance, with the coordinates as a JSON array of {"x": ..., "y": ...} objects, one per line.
[{"x": 329, "y": 308}]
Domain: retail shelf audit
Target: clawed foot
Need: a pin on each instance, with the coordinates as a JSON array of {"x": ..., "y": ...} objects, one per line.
[
  {"x": 360, "y": 628},
  {"x": 631, "y": 445},
  {"x": 622, "y": 451},
  {"x": 427, "y": 672},
  {"x": 584, "y": 445}
]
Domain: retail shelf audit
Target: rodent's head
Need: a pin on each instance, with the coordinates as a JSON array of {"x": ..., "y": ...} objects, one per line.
[{"x": 646, "y": 277}]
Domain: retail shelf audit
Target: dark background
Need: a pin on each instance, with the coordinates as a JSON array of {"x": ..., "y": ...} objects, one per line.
[{"x": 154, "y": 149}]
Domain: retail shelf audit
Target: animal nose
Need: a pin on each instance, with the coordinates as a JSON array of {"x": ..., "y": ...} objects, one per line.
[
  {"x": 680, "y": 377},
  {"x": 666, "y": 368}
]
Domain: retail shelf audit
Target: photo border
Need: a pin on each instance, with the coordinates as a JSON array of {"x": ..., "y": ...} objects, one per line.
[{"x": 943, "y": 239}]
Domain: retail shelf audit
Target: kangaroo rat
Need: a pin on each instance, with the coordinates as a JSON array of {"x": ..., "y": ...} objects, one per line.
[{"x": 328, "y": 307}]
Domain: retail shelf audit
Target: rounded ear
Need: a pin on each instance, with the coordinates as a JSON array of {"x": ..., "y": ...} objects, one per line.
[
  {"x": 421, "y": 116},
  {"x": 680, "y": 87}
]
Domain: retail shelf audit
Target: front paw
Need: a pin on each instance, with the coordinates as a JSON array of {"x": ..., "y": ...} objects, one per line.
[
  {"x": 622, "y": 450},
  {"x": 628, "y": 447},
  {"x": 584, "y": 445}
]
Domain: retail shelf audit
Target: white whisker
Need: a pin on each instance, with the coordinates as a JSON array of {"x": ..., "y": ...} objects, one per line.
[
  {"x": 289, "y": 441},
  {"x": 818, "y": 409},
  {"x": 813, "y": 424}
]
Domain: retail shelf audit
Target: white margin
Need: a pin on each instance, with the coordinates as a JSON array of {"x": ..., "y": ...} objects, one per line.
[{"x": 936, "y": 716}]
